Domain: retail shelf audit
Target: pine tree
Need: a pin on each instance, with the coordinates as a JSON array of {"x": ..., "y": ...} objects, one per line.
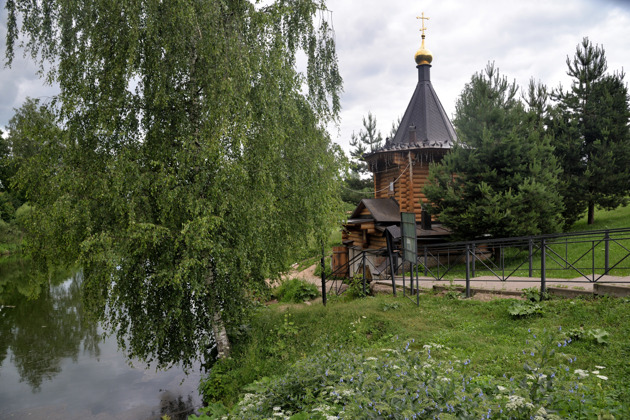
[
  {"x": 500, "y": 177},
  {"x": 359, "y": 182},
  {"x": 592, "y": 136}
]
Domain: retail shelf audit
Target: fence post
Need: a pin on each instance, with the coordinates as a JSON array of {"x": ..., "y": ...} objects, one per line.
[
  {"x": 593, "y": 259},
  {"x": 543, "y": 263},
  {"x": 426, "y": 271},
  {"x": 363, "y": 273},
  {"x": 393, "y": 267},
  {"x": 417, "y": 285},
  {"x": 323, "y": 263},
  {"x": 501, "y": 250},
  {"x": 606, "y": 252},
  {"x": 474, "y": 262},
  {"x": 403, "y": 270},
  {"x": 467, "y": 270},
  {"x": 531, "y": 254}
]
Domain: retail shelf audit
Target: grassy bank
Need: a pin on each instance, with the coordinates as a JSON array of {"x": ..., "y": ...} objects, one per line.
[{"x": 294, "y": 357}]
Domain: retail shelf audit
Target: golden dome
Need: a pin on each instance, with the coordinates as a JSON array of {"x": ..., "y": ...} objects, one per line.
[{"x": 423, "y": 56}]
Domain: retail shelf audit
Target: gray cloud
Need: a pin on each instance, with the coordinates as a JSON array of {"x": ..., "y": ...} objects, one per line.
[{"x": 376, "y": 41}]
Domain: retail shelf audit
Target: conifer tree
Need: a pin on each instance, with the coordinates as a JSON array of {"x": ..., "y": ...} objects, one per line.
[
  {"x": 359, "y": 182},
  {"x": 500, "y": 177},
  {"x": 591, "y": 135}
]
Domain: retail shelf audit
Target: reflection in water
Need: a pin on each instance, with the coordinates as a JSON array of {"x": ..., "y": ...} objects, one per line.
[{"x": 47, "y": 343}]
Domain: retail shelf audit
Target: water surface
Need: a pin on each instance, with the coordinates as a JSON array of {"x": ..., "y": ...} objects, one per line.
[{"x": 56, "y": 364}]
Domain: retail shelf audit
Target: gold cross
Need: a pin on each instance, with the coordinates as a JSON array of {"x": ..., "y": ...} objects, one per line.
[{"x": 423, "y": 19}]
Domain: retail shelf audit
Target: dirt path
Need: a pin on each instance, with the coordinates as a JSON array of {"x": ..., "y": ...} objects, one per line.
[{"x": 306, "y": 275}]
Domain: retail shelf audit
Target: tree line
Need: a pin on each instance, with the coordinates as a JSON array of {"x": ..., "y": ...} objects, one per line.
[{"x": 531, "y": 161}]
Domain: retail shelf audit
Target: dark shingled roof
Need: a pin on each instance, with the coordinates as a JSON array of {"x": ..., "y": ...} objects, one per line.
[
  {"x": 425, "y": 124},
  {"x": 383, "y": 210}
]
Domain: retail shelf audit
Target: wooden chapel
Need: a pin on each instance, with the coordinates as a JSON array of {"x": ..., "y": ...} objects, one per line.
[{"x": 401, "y": 168}]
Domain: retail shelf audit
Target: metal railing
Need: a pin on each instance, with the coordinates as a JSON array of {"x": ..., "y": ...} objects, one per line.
[
  {"x": 577, "y": 257},
  {"x": 336, "y": 282}
]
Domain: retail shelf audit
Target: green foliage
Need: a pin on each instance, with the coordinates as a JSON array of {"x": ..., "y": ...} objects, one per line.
[
  {"x": 407, "y": 381},
  {"x": 193, "y": 161},
  {"x": 523, "y": 309},
  {"x": 359, "y": 182},
  {"x": 356, "y": 287},
  {"x": 220, "y": 382},
  {"x": 591, "y": 135},
  {"x": 500, "y": 172},
  {"x": 598, "y": 335},
  {"x": 7, "y": 211},
  {"x": 296, "y": 291},
  {"x": 480, "y": 331},
  {"x": 533, "y": 294},
  {"x": 390, "y": 306},
  {"x": 327, "y": 268}
]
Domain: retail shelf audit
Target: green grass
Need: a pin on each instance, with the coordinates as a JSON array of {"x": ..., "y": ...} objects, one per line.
[
  {"x": 605, "y": 219},
  {"x": 483, "y": 332},
  {"x": 578, "y": 254}
]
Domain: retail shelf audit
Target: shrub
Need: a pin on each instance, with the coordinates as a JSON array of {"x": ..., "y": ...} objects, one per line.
[{"x": 296, "y": 291}]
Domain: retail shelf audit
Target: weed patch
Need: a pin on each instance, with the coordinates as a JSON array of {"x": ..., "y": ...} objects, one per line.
[{"x": 296, "y": 291}]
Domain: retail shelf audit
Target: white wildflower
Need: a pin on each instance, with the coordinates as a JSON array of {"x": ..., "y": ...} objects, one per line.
[
  {"x": 595, "y": 372},
  {"x": 277, "y": 408},
  {"x": 600, "y": 367},
  {"x": 581, "y": 373},
  {"x": 515, "y": 402},
  {"x": 605, "y": 378},
  {"x": 371, "y": 358},
  {"x": 501, "y": 388}
]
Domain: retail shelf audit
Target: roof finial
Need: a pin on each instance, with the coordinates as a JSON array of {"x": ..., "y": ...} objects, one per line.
[
  {"x": 424, "y": 28},
  {"x": 423, "y": 56}
]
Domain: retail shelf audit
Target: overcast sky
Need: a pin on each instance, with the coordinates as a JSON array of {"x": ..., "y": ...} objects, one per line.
[{"x": 376, "y": 42}]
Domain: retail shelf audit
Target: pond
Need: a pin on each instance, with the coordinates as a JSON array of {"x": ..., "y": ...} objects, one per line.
[{"x": 56, "y": 364}]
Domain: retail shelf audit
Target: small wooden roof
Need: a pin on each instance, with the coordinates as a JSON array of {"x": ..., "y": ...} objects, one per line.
[{"x": 382, "y": 210}]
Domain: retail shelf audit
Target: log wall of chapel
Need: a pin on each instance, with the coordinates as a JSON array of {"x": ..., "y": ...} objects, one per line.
[{"x": 409, "y": 180}]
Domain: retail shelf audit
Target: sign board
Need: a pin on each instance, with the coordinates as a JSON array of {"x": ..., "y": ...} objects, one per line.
[{"x": 409, "y": 239}]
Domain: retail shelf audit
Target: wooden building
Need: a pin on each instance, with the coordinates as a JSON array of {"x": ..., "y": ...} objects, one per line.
[{"x": 401, "y": 168}]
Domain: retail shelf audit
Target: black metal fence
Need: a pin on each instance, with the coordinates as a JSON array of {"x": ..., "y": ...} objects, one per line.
[
  {"x": 578, "y": 257},
  {"x": 573, "y": 257}
]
